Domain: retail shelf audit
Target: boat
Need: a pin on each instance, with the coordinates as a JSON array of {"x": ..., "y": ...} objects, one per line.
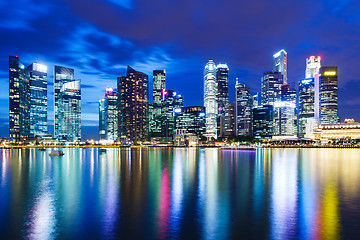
[
  {"x": 56, "y": 153},
  {"x": 42, "y": 149},
  {"x": 102, "y": 150}
]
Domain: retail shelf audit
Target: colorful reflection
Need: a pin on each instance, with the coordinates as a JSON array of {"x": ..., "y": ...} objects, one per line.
[{"x": 180, "y": 193}]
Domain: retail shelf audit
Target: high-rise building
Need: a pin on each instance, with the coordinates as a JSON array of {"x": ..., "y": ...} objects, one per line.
[
  {"x": 192, "y": 119},
  {"x": 69, "y": 112},
  {"x": 263, "y": 122},
  {"x": 19, "y": 100},
  {"x": 271, "y": 83},
  {"x": 210, "y": 98},
  {"x": 222, "y": 77},
  {"x": 133, "y": 94},
  {"x": 329, "y": 95},
  {"x": 229, "y": 120},
  {"x": 62, "y": 75},
  {"x": 284, "y": 119},
  {"x": 306, "y": 104},
  {"x": 255, "y": 100},
  {"x": 38, "y": 102},
  {"x": 170, "y": 102},
  {"x": 159, "y": 83},
  {"x": 102, "y": 120},
  {"x": 111, "y": 114},
  {"x": 280, "y": 63},
  {"x": 312, "y": 70},
  {"x": 243, "y": 110}
]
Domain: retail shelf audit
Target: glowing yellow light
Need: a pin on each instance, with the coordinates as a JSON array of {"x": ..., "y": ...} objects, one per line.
[{"x": 329, "y": 73}]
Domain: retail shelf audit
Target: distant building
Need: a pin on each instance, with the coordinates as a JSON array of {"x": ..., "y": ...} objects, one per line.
[
  {"x": 38, "y": 102},
  {"x": 210, "y": 98},
  {"x": 255, "y": 100},
  {"x": 170, "y": 102},
  {"x": 111, "y": 114},
  {"x": 19, "y": 100},
  {"x": 102, "y": 120},
  {"x": 263, "y": 122},
  {"x": 159, "y": 83},
  {"x": 133, "y": 92},
  {"x": 329, "y": 95},
  {"x": 280, "y": 63},
  {"x": 313, "y": 65},
  {"x": 69, "y": 112},
  {"x": 243, "y": 110},
  {"x": 271, "y": 83},
  {"x": 192, "y": 119},
  {"x": 62, "y": 75},
  {"x": 229, "y": 120},
  {"x": 306, "y": 104},
  {"x": 338, "y": 131},
  {"x": 284, "y": 117},
  {"x": 222, "y": 77}
]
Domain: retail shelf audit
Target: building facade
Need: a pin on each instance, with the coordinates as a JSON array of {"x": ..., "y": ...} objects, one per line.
[
  {"x": 271, "y": 83},
  {"x": 280, "y": 63},
  {"x": 102, "y": 120},
  {"x": 313, "y": 65},
  {"x": 306, "y": 104},
  {"x": 211, "y": 98},
  {"x": 159, "y": 83},
  {"x": 222, "y": 77},
  {"x": 284, "y": 119},
  {"x": 329, "y": 95},
  {"x": 243, "y": 110},
  {"x": 263, "y": 122},
  {"x": 111, "y": 114},
  {"x": 229, "y": 120},
  {"x": 192, "y": 119},
  {"x": 133, "y": 94}
]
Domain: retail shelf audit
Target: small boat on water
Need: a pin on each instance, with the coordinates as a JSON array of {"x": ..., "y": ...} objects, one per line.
[
  {"x": 42, "y": 149},
  {"x": 102, "y": 150},
  {"x": 56, "y": 153}
]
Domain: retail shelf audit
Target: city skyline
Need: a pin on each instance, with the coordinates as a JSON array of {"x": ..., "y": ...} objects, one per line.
[{"x": 100, "y": 50}]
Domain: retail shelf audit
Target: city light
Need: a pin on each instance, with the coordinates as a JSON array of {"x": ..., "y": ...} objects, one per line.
[{"x": 329, "y": 73}]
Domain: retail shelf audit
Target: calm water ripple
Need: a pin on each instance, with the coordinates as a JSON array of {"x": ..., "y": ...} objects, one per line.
[{"x": 178, "y": 193}]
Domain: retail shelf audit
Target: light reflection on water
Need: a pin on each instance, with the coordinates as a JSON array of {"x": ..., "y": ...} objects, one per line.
[{"x": 180, "y": 193}]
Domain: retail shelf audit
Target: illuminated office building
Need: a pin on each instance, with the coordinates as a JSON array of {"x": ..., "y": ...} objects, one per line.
[
  {"x": 284, "y": 119},
  {"x": 222, "y": 77},
  {"x": 133, "y": 92},
  {"x": 170, "y": 102},
  {"x": 263, "y": 122},
  {"x": 255, "y": 100},
  {"x": 69, "y": 112},
  {"x": 19, "y": 100},
  {"x": 159, "y": 83},
  {"x": 229, "y": 120},
  {"x": 329, "y": 95},
  {"x": 62, "y": 75},
  {"x": 102, "y": 120},
  {"x": 111, "y": 114},
  {"x": 192, "y": 119},
  {"x": 271, "y": 83},
  {"x": 306, "y": 104},
  {"x": 38, "y": 102},
  {"x": 280, "y": 63},
  {"x": 243, "y": 110},
  {"x": 313, "y": 65},
  {"x": 210, "y": 98}
]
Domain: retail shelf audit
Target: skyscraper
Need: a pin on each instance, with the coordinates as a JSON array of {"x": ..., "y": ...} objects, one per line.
[
  {"x": 133, "y": 92},
  {"x": 19, "y": 100},
  {"x": 271, "y": 83},
  {"x": 243, "y": 110},
  {"x": 222, "y": 77},
  {"x": 159, "y": 83},
  {"x": 102, "y": 120},
  {"x": 111, "y": 114},
  {"x": 170, "y": 102},
  {"x": 280, "y": 63},
  {"x": 62, "y": 75},
  {"x": 312, "y": 71},
  {"x": 69, "y": 112},
  {"x": 38, "y": 102},
  {"x": 329, "y": 95},
  {"x": 192, "y": 119},
  {"x": 306, "y": 104},
  {"x": 263, "y": 122},
  {"x": 229, "y": 120},
  {"x": 284, "y": 118},
  {"x": 210, "y": 98}
]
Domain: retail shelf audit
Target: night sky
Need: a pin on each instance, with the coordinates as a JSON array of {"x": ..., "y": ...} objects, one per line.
[{"x": 99, "y": 38}]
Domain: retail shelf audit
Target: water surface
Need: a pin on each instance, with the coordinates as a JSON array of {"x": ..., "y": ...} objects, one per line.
[{"x": 179, "y": 193}]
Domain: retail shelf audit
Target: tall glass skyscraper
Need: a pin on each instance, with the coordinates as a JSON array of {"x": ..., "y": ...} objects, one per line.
[
  {"x": 222, "y": 77},
  {"x": 210, "y": 98},
  {"x": 159, "y": 83},
  {"x": 271, "y": 83},
  {"x": 69, "y": 112},
  {"x": 19, "y": 100},
  {"x": 280, "y": 63},
  {"x": 263, "y": 122},
  {"x": 62, "y": 75},
  {"x": 111, "y": 114},
  {"x": 243, "y": 110},
  {"x": 329, "y": 95},
  {"x": 102, "y": 120},
  {"x": 192, "y": 119},
  {"x": 38, "y": 103},
  {"x": 306, "y": 104},
  {"x": 133, "y": 94},
  {"x": 312, "y": 70}
]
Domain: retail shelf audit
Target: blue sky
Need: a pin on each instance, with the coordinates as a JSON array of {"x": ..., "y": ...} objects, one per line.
[{"x": 99, "y": 38}]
